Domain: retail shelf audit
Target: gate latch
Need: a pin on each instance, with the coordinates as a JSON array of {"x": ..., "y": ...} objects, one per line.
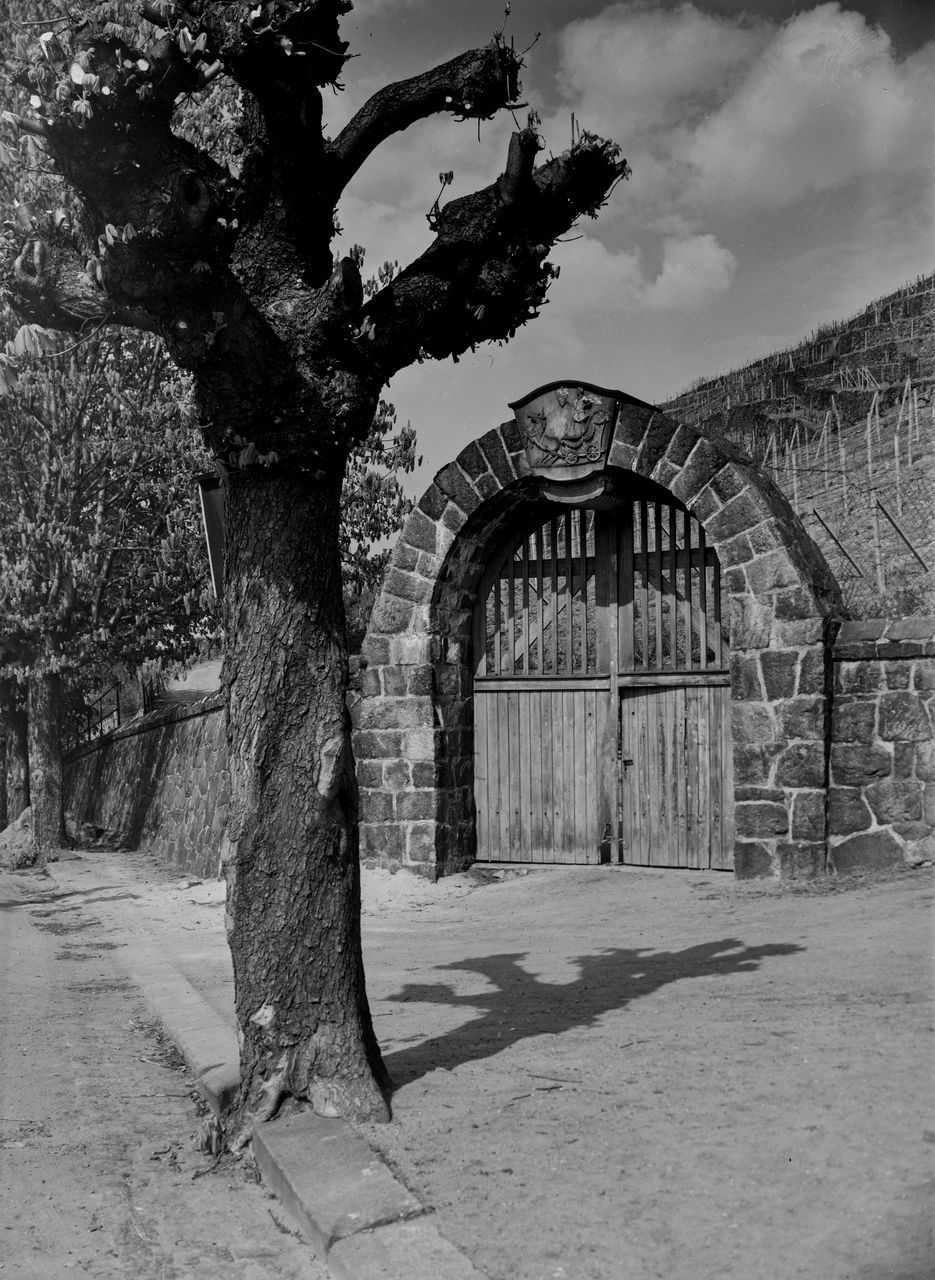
[{"x": 627, "y": 763}]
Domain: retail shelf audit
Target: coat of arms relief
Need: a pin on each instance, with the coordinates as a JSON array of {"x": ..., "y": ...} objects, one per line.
[{"x": 566, "y": 426}]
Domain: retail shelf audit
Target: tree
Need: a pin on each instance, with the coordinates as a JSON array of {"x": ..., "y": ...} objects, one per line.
[
  {"x": 101, "y": 554},
  {"x": 233, "y": 267}
]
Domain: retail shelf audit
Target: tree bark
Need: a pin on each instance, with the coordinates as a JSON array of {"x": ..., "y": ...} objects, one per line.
[
  {"x": 4, "y": 809},
  {"x": 293, "y": 873},
  {"x": 45, "y": 765},
  {"x": 17, "y": 757}
]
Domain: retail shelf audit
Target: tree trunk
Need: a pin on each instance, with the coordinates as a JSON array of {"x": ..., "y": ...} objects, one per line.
[
  {"x": 45, "y": 765},
  {"x": 293, "y": 880},
  {"x": 13, "y": 731},
  {"x": 4, "y": 808}
]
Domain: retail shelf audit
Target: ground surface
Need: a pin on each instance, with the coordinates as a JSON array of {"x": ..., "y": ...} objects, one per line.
[
  {"x": 616, "y": 1075},
  {"x": 98, "y": 1177}
]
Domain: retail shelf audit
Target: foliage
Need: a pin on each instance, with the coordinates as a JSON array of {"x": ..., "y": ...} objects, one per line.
[{"x": 101, "y": 555}]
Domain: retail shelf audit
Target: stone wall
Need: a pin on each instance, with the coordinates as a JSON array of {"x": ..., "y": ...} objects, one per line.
[
  {"x": 881, "y": 801},
  {"x": 159, "y": 784}
]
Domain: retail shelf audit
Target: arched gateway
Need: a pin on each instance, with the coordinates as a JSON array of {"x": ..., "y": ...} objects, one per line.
[{"x": 603, "y": 637}]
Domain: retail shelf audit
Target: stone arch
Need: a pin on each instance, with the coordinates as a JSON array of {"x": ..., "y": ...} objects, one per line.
[{"x": 414, "y": 726}]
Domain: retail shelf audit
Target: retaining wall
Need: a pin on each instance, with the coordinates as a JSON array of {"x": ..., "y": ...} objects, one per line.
[{"x": 159, "y": 784}]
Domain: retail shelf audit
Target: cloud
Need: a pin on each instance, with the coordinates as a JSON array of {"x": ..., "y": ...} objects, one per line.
[
  {"x": 729, "y": 114},
  {"x": 694, "y": 270},
  {"x": 825, "y": 103}
]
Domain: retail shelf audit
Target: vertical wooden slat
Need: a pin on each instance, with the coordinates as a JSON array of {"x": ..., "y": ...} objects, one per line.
[
  {"x": 569, "y": 597},
  {"x": 716, "y": 593},
  {"x": 511, "y": 612},
  {"x": 673, "y": 588},
  {"x": 702, "y": 598},
  {"x": 680, "y": 766},
  {"x": 548, "y": 781},
  {"x": 525, "y": 645},
  {"x": 503, "y": 777},
  {"x": 540, "y": 600},
  {"x": 647, "y": 596},
  {"x": 481, "y": 804},
  {"x": 527, "y": 771},
  {"x": 553, "y": 567},
  {"x": 687, "y": 603},
  {"x": 481, "y": 630},
  {"x": 512, "y": 768},
  {"x": 497, "y": 609},
  {"x": 657, "y": 582},
  {"x": 625, "y": 588},
  {"x": 583, "y": 570}
]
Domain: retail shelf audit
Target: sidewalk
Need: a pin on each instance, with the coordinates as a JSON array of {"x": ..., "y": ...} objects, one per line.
[{"x": 604, "y": 1074}]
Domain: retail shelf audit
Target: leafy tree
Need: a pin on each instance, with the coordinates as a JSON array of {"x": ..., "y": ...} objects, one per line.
[
  {"x": 233, "y": 267},
  {"x": 101, "y": 555}
]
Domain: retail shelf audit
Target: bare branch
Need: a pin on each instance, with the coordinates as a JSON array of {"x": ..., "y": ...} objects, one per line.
[
  {"x": 486, "y": 273},
  {"x": 476, "y": 84}
]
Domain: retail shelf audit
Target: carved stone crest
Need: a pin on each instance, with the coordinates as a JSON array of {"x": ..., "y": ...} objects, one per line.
[{"x": 566, "y": 428}]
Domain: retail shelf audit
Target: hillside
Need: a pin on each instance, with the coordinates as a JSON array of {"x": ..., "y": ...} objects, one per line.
[{"x": 845, "y": 423}]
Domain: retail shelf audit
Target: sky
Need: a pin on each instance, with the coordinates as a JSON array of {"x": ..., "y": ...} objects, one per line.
[{"x": 782, "y": 155}]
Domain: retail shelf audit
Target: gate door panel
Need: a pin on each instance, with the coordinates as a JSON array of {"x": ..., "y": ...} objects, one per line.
[{"x": 598, "y": 641}]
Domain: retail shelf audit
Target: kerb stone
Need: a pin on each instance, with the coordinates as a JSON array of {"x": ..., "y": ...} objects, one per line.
[{"x": 330, "y": 1181}]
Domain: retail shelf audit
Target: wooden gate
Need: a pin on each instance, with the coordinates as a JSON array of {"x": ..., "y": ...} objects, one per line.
[{"x": 601, "y": 695}]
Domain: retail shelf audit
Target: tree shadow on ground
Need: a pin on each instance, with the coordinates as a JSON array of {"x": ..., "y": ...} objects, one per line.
[{"x": 519, "y": 1005}]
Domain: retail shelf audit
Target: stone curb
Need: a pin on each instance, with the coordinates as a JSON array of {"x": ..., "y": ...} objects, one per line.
[{"x": 359, "y": 1219}]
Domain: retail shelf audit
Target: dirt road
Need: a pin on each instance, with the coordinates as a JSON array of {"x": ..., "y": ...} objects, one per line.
[{"x": 97, "y": 1174}]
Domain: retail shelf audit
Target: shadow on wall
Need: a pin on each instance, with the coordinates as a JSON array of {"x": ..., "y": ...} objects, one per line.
[{"x": 520, "y": 1005}]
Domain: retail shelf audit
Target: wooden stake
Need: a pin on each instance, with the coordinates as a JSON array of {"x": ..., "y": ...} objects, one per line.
[{"x": 878, "y": 548}]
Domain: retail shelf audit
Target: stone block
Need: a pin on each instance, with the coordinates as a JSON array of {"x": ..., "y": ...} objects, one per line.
[
  {"x": 375, "y": 650},
  {"x": 771, "y": 571},
  {"x": 858, "y": 677},
  {"x": 798, "y": 605},
  {"x": 395, "y": 713},
  {"x": 862, "y": 629},
  {"x": 800, "y": 859},
  {"x": 370, "y": 773},
  {"x": 452, "y": 481},
  {"x": 923, "y": 675},
  {"x": 745, "y": 683},
  {"x": 751, "y": 621},
  {"x": 404, "y": 556},
  {"x": 753, "y": 764},
  {"x": 383, "y": 841},
  {"x": 897, "y": 674},
  {"x": 848, "y": 811},
  {"x": 735, "y": 551},
  {"x": 801, "y": 765},
  {"x": 894, "y": 800},
  {"x": 780, "y": 668},
  {"x": 756, "y": 818},
  {"x": 397, "y": 775},
  {"x": 370, "y": 682},
  {"x": 420, "y": 842},
  {"x": 735, "y": 579},
  {"x": 390, "y": 614},
  {"x": 705, "y": 504},
  {"x": 702, "y": 464},
  {"x": 853, "y": 721},
  {"x": 415, "y": 805},
  {"x": 659, "y": 431},
  {"x": 731, "y": 481},
  {"x": 925, "y": 761},
  {"x": 632, "y": 423},
  {"x": 622, "y": 455},
  {"x": 903, "y": 718},
  {"x": 498, "y": 460},
  {"x": 377, "y": 805},
  {"x": 407, "y": 586},
  {"x": 803, "y": 717},
  {"x": 374, "y": 744},
  {"x": 768, "y": 535},
  {"x": 453, "y": 517},
  {"x": 853, "y": 765},
  {"x": 472, "y": 462},
  {"x": 874, "y": 851},
  {"x": 812, "y": 671},
  {"x": 904, "y": 759},
  {"x": 752, "y": 722},
  {"x": 394, "y": 678},
  {"x": 432, "y": 503},
  {"x": 910, "y": 629},
  {"x": 424, "y": 773},
  {"x": 752, "y": 860},
  {"x": 808, "y": 815}
]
